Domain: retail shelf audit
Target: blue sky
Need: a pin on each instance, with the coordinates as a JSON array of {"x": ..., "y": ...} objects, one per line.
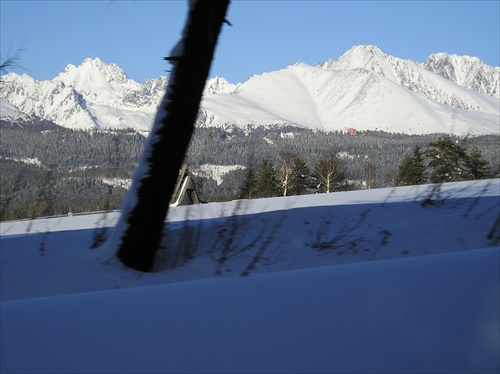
[{"x": 265, "y": 36}]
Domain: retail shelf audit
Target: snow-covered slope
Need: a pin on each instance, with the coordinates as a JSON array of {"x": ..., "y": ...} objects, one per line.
[
  {"x": 51, "y": 100},
  {"x": 218, "y": 85},
  {"x": 336, "y": 99},
  {"x": 360, "y": 281},
  {"x": 467, "y": 71},
  {"x": 435, "y": 314},
  {"x": 92, "y": 95},
  {"x": 419, "y": 78},
  {"x": 364, "y": 89},
  {"x": 9, "y": 112}
]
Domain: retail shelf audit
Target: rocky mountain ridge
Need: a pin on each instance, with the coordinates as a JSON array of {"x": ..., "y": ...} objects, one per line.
[{"x": 364, "y": 89}]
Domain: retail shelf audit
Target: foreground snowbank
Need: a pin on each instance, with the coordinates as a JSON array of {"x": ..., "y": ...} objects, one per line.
[
  {"x": 424, "y": 314},
  {"x": 455, "y": 190},
  {"x": 362, "y": 281},
  {"x": 295, "y": 233}
]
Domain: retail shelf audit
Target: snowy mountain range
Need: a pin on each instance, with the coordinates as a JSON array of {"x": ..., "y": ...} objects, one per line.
[{"x": 364, "y": 89}]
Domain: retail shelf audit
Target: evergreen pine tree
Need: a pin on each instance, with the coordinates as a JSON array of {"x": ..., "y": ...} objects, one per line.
[
  {"x": 447, "y": 161},
  {"x": 477, "y": 166},
  {"x": 371, "y": 175},
  {"x": 248, "y": 188},
  {"x": 412, "y": 170},
  {"x": 302, "y": 177},
  {"x": 267, "y": 181}
]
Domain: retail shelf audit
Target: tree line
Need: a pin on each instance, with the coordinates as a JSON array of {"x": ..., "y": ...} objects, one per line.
[
  {"x": 370, "y": 156},
  {"x": 69, "y": 169},
  {"x": 293, "y": 176},
  {"x": 442, "y": 161},
  {"x": 448, "y": 161}
]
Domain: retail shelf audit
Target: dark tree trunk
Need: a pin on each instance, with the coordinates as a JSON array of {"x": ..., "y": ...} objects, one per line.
[{"x": 140, "y": 229}]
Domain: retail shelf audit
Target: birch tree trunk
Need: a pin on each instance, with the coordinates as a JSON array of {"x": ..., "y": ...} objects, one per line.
[{"x": 139, "y": 231}]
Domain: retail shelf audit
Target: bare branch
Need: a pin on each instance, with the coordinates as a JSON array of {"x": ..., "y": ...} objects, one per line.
[{"x": 11, "y": 62}]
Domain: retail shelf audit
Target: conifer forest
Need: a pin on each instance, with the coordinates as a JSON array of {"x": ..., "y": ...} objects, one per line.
[{"x": 49, "y": 170}]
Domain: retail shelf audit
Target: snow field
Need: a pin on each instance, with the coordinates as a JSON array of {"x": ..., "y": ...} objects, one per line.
[{"x": 361, "y": 281}]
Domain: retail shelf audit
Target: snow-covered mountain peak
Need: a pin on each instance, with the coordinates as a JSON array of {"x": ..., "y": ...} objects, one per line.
[
  {"x": 218, "y": 85},
  {"x": 9, "y": 112},
  {"x": 92, "y": 74},
  {"x": 454, "y": 57},
  {"x": 365, "y": 49},
  {"x": 367, "y": 57},
  {"x": 467, "y": 71},
  {"x": 327, "y": 65},
  {"x": 93, "y": 94},
  {"x": 363, "y": 56},
  {"x": 365, "y": 89},
  {"x": 352, "y": 59},
  {"x": 298, "y": 64}
]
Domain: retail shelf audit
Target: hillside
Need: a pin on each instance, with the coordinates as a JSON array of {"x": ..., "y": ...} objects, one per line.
[
  {"x": 364, "y": 89},
  {"x": 390, "y": 280}
]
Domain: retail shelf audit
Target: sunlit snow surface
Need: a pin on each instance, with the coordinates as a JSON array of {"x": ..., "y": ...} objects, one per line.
[
  {"x": 365, "y": 89},
  {"x": 417, "y": 292}
]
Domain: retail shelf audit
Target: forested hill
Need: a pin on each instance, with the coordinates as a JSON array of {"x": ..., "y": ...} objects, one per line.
[{"x": 47, "y": 169}]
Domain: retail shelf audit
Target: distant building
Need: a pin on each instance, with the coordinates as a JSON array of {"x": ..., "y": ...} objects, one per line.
[
  {"x": 352, "y": 131},
  {"x": 185, "y": 192}
]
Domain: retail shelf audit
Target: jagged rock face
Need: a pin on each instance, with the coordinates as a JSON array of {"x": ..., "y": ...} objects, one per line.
[
  {"x": 51, "y": 100},
  {"x": 10, "y": 113},
  {"x": 92, "y": 95},
  {"x": 364, "y": 89},
  {"x": 466, "y": 71}
]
